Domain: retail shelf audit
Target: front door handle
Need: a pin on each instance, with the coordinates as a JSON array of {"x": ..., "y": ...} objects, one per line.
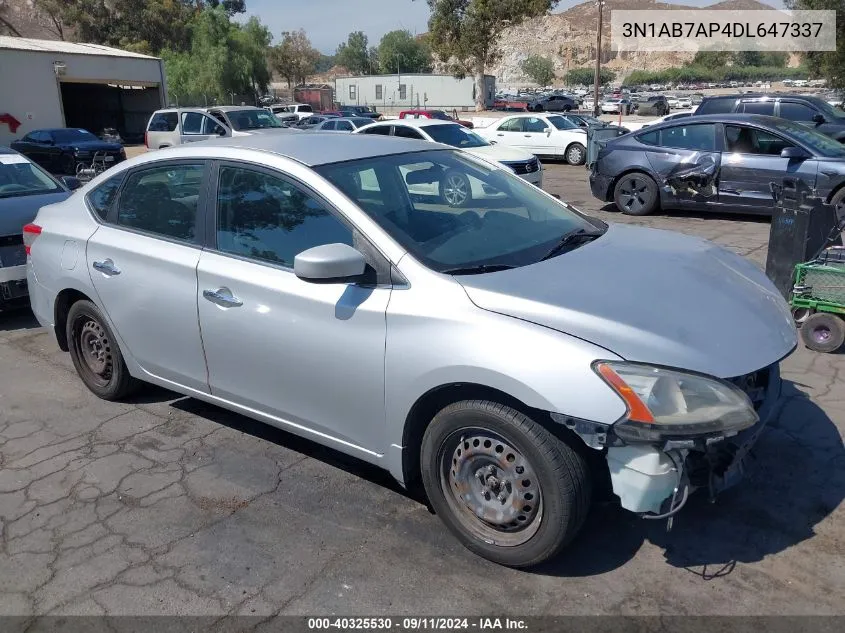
[
  {"x": 106, "y": 267},
  {"x": 500, "y": 134},
  {"x": 222, "y": 297}
]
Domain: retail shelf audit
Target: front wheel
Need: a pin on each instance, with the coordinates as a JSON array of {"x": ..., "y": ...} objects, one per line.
[
  {"x": 576, "y": 154},
  {"x": 508, "y": 489},
  {"x": 635, "y": 194},
  {"x": 823, "y": 332},
  {"x": 95, "y": 353}
]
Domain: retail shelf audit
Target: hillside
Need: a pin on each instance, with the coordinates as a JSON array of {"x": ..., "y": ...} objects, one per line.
[{"x": 569, "y": 39}]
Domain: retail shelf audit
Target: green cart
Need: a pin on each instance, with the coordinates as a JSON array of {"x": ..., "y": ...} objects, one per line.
[{"x": 818, "y": 300}]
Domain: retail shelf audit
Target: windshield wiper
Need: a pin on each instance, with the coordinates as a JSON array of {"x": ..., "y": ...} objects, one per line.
[
  {"x": 572, "y": 239},
  {"x": 477, "y": 270}
]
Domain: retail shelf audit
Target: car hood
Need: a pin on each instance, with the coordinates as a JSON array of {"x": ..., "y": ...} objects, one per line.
[
  {"x": 650, "y": 296},
  {"x": 17, "y": 211},
  {"x": 500, "y": 153},
  {"x": 94, "y": 146}
]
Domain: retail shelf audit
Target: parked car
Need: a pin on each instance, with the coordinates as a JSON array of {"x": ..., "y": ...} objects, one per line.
[
  {"x": 588, "y": 122},
  {"x": 24, "y": 188},
  {"x": 653, "y": 105},
  {"x": 810, "y": 111},
  {"x": 553, "y": 103},
  {"x": 60, "y": 150},
  {"x": 587, "y": 104},
  {"x": 612, "y": 106},
  {"x": 360, "y": 111},
  {"x": 723, "y": 162},
  {"x": 175, "y": 126},
  {"x": 512, "y": 357},
  {"x": 433, "y": 114},
  {"x": 456, "y": 189},
  {"x": 540, "y": 134},
  {"x": 309, "y": 123},
  {"x": 342, "y": 124},
  {"x": 684, "y": 103},
  {"x": 244, "y": 119},
  {"x": 298, "y": 110},
  {"x": 673, "y": 102},
  {"x": 111, "y": 135}
]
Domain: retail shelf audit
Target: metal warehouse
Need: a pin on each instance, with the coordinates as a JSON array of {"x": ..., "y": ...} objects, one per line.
[
  {"x": 387, "y": 92},
  {"x": 48, "y": 84}
]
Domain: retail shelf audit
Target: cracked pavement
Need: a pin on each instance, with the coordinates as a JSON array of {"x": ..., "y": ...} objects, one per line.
[{"x": 165, "y": 505}]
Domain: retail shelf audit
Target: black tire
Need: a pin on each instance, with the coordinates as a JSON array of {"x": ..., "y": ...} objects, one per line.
[
  {"x": 636, "y": 194},
  {"x": 546, "y": 509},
  {"x": 455, "y": 189},
  {"x": 95, "y": 353},
  {"x": 538, "y": 108},
  {"x": 838, "y": 203},
  {"x": 575, "y": 154},
  {"x": 823, "y": 332}
]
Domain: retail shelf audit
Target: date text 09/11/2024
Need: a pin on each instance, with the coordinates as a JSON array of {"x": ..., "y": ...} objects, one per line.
[
  {"x": 427, "y": 623},
  {"x": 722, "y": 29}
]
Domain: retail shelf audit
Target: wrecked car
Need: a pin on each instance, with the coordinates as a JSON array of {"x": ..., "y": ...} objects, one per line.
[
  {"x": 513, "y": 356},
  {"x": 721, "y": 163}
]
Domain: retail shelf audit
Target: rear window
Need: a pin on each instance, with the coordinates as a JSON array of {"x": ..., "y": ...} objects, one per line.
[
  {"x": 163, "y": 122},
  {"x": 716, "y": 106}
]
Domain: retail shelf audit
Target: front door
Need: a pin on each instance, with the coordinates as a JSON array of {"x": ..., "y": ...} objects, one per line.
[
  {"x": 751, "y": 163},
  {"x": 198, "y": 126},
  {"x": 143, "y": 262},
  {"x": 309, "y": 355}
]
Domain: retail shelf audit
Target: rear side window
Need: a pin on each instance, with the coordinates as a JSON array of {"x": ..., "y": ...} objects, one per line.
[
  {"x": 701, "y": 137},
  {"x": 163, "y": 122},
  {"x": 344, "y": 125},
  {"x": 649, "y": 138},
  {"x": 163, "y": 201},
  {"x": 759, "y": 107},
  {"x": 101, "y": 198},
  {"x": 716, "y": 106}
]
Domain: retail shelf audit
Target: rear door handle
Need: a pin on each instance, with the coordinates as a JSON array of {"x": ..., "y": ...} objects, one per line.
[
  {"x": 106, "y": 267},
  {"x": 222, "y": 297}
]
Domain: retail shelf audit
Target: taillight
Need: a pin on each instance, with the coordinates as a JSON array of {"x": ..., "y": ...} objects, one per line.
[{"x": 30, "y": 233}]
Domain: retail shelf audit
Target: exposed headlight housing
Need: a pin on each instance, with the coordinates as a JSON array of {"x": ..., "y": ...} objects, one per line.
[{"x": 667, "y": 403}]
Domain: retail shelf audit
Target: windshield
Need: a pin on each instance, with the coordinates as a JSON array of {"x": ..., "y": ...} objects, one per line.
[
  {"x": 494, "y": 219},
  {"x": 455, "y": 135},
  {"x": 19, "y": 177},
  {"x": 561, "y": 123},
  {"x": 252, "y": 119},
  {"x": 820, "y": 143},
  {"x": 72, "y": 135}
]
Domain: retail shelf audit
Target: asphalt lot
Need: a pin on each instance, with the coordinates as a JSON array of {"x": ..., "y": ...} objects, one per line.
[{"x": 168, "y": 505}]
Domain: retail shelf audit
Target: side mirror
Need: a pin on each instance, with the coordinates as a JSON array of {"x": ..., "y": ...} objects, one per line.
[
  {"x": 793, "y": 152},
  {"x": 71, "y": 182},
  {"x": 329, "y": 263},
  {"x": 819, "y": 119},
  {"x": 220, "y": 131}
]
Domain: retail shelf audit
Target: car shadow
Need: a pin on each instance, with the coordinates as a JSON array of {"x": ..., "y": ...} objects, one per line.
[
  {"x": 684, "y": 213},
  {"x": 18, "y": 318},
  {"x": 795, "y": 480}
]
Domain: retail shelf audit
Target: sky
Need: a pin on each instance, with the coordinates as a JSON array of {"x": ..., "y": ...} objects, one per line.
[{"x": 329, "y": 22}]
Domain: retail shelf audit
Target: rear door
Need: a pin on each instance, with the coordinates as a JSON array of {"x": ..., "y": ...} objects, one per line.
[
  {"x": 142, "y": 261},
  {"x": 751, "y": 163}
]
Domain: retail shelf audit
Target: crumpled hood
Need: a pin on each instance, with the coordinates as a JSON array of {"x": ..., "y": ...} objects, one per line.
[{"x": 650, "y": 296}]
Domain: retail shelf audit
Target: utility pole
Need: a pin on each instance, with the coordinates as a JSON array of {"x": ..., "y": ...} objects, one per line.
[{"x": 597, "y": 76}]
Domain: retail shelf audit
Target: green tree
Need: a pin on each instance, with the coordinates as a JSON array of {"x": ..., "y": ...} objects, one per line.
[
  {"x": 586, "y": 76},
  {"x": 465, "y": 33},
  {"x": 251, "y": 43},
  {"x": 828, "y": 65},
  {"x": 354, "y": 55},
  {"x": 712, "y": 59},
  {"x": 6, "y": 25},
  {"x": 539, "y": 69},
  {"x": 399, "y": 51},
  {"x": 294, "y": 58},
  {"x": 326, "y": 62}
]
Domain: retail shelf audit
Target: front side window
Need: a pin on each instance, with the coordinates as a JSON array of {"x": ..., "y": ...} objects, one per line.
[
  {"x": 101, "y": 198},
  {"x": 383, "y": 130},
  {"x": 562, "y": 123},
  {"x": 534, "y": 124},
  {"x": 192, "y": 123},
  {"x": 345, "y": 126},
  {"x": 512, "y": 224},
  {"x": 796, "y": 111},
  {"x": 19, "y": 177},
  {"x": 748, "y": 140},
  {"x": 268, "y": 218},
  {"x": 163, "y": 201},
  {"x": 701, "y": 137}
]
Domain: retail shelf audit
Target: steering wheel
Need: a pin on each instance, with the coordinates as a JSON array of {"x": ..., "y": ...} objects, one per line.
[{"x": 12, "y": 187}]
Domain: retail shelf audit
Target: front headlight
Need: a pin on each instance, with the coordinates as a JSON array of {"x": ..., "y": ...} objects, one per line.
[{"x": 665, "y": 403}]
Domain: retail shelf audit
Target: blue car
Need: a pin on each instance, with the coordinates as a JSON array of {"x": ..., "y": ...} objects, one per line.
[
  {"x": 24, "y": 188},
  {"x": 60, "y": 150}
]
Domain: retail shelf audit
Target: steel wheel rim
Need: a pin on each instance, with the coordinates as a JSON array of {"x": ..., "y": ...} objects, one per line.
[
  {"x": 94, "y": 350},
  {"x": 574, "y": 155},
  {"x": 491, "y": 487},
  {"x": 455, "y": 190},
  {"x": 632, "y": 191}
]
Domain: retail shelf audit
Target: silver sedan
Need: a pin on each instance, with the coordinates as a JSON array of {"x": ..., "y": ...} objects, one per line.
[{"x": 511, "y": 355}]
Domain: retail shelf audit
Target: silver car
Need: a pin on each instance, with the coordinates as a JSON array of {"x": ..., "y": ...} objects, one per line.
[{"x": 513, "y": 356}]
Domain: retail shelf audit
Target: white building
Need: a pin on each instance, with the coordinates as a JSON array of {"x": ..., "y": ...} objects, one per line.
[
  {"x": 48, "y": 84},
  {"x": 405, "y": 91}
]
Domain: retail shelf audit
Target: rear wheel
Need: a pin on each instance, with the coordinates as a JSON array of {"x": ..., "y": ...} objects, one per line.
[
  {"x": 508, "y": 489},
  {"x": 95, "y": 353},
  {"x": 635, "y": 194},
  {"x": 576, "y": 154},
  {"x": 823, "y": 332}
]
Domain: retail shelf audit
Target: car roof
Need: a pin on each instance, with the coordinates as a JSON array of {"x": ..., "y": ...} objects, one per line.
[
  {"x": 234, "y": 108},
  {"x": 320, "y": 148},
  {"x": 755, "y": 119},
  {"x": 763, "y": 95}
]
